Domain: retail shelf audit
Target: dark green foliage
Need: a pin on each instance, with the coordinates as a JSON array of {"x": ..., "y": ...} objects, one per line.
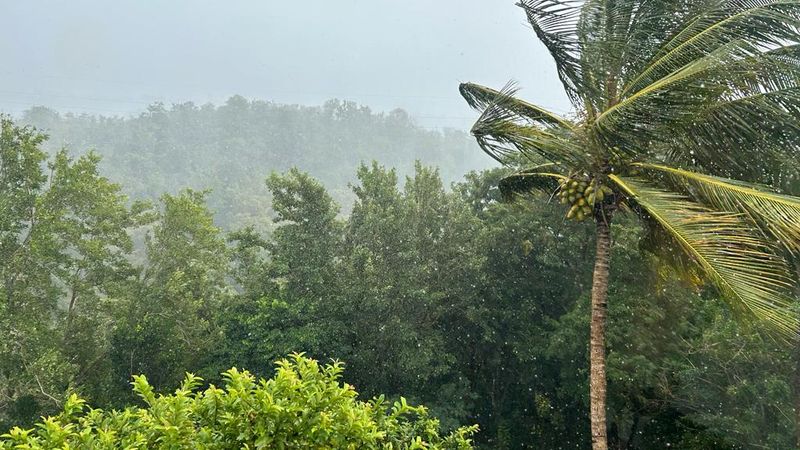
[
  {"x": 63, "y": 257},
  {"x": 452, "y": 298},
  {"x": 304, "y": 246},
  {"x": 167, "y": 324}
]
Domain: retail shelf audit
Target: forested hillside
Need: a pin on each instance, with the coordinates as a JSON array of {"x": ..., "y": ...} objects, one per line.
[
  {"x": 472, "y": 306},
  {"x": 229, "y": 148}
]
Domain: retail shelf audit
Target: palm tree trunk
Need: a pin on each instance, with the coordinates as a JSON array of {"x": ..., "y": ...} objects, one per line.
[{"x": 597, "y": 349}]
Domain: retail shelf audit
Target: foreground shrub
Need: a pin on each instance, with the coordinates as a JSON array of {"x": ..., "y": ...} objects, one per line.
[{"x": 303, "y": 406}]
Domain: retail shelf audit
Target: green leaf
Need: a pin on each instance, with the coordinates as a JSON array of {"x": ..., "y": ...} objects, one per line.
[
  {"x": 754, "y": 280},
  {"x": 775, "y": 214},
  {"x": 530, "y": 180}
]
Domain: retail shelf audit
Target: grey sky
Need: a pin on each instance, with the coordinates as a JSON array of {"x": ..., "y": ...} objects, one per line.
[{"x": 115, "y": 57}]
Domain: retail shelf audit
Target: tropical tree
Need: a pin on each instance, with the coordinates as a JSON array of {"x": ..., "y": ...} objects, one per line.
[
  {"x": 64, "y": 249},
  {"x": 166, "y": 321},
  {"x": 677, "y": 105}
]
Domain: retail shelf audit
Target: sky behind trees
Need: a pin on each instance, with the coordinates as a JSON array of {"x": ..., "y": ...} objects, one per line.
[{"x": 115, "y": 58}]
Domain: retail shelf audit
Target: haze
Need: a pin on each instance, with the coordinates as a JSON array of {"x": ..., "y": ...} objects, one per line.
[{"x": 115, "y": 58}]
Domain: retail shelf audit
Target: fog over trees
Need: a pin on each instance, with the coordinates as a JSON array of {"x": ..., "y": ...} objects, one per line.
[{"x": 229, "y": 148}]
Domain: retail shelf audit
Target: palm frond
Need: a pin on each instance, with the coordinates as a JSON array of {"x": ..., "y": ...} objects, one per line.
[
  {"x": 752, "y": 23},
  {"x": 776, "y": 215},
  {"x": 653, "y": 26},
  {"x": 606, "y": 31},
  {"x": 506, "y": 141},
  {"x": 721, "y": 65},
  {"x": 758, "y": 115},
  {"x": 728, "y": 97},
  {"x": 541, "y": 178},
  {"x": 481, "y": 98},
  {"x": 725, "y": 140},
  {"x": 508, "y": 128},
  {"x": 555, "y": 23},
  {"x": 677, "y": 96},
  {"x": 754, "y": 280},
  {"x": 597, "y": 44}
]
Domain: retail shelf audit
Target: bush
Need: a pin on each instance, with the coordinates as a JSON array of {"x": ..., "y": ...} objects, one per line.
[{"x": 303, "y": 406}]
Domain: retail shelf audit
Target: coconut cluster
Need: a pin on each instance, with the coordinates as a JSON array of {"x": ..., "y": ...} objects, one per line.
[{"x": 582, "y": 194}]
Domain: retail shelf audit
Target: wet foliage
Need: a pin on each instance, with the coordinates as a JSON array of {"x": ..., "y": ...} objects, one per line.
[
  {"x": 451, "y": 298},
  {"x": 304, "y": 406}
]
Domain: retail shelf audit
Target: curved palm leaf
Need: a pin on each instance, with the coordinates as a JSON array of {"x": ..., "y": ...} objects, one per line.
[
  {"x": 606, "y": 31},
  {"x": 504, "y": 140},
  {"x": 751, "y": 23},
  {"x": 481, "y": 98},
  {"x": 775, "y": 214},
  {"x": 752, "y": 278},
  {"x": 766, "y": 93},
  {"x": 555, "y": 23},
  {"x": 680, "y": 95},
  {"x": 531, "y": 180},
  {"x": 736, "y": 65},
  {"x": 508, "y": 126}
]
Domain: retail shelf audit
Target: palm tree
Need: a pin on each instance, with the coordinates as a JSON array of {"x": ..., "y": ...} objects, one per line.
[{"x": 675, "y": 102}]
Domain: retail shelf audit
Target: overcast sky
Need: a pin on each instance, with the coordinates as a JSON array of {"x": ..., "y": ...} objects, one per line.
[{"x": 116, "y": 57}]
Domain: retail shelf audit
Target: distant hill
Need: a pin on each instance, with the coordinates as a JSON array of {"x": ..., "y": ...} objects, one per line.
[{"x": 231, "y": 148}]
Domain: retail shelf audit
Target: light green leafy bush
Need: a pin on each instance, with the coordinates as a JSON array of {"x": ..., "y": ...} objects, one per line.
[{"x": 304, "y": 406}]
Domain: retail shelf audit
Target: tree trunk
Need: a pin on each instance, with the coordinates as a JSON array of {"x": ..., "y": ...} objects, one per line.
[{"x": 597, "y": 349}]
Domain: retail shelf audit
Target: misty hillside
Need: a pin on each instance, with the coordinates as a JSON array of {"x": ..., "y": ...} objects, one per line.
[{"x": 231, "y": 148}]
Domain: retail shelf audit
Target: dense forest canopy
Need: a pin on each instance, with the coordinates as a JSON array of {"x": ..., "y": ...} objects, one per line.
[
  {"x": 228, "y": 148},
  {"x": 474, "y": 307}
]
